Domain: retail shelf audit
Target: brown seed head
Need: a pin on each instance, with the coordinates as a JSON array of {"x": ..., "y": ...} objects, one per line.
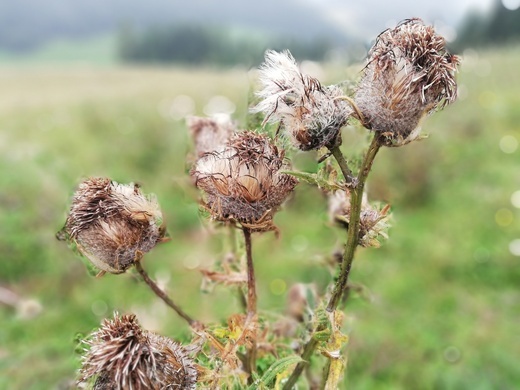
[
  {"x": 209, "y": 134},
  {"x": 124, "y": 356},
  {"x": 243, "y": 182},
  {"x": 409, "y": 74},
  {"x": 113, "y": 224},
  {"x": 311, "y": 113}
]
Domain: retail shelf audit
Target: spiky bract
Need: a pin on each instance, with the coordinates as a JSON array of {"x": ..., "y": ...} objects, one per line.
[
  {"x": 409, "y": 74},
  {"x": 113, "y": 224},
  {"x": 123, "y": 356},
  {"x": 311, "y": 113},
  {"x": 243, "y": 181}
]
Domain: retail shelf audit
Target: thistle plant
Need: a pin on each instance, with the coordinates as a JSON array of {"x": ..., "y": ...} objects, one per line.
[{"x": 244, "y": 178}]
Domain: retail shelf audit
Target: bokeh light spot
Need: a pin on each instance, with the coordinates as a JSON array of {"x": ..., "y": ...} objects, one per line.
[
  {"x": 511, "y": 5},
  {"x": 99, "y": 307},
  {"x": 299, "y": 243},
  {"x": 514, "y": 247},
  {"x": 515, "y": 199},
  {"x": 508, "y": 144},
  {"x": 278, "y": 286},
  {"x": 504, "y": 217},
  {"x": 452, "y": 354}
]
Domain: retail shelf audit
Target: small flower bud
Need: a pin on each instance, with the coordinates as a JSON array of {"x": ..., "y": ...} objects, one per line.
[
  {"x": 122, "y": 355},
  {"x": 113, "y": 224},
  {"x": 242, "y": 182},
  {"x": 209, "y": 134},
  {"x": 311, "y": 113},
  {"x": 409, "y": 74},
  {"x": 373, "y": 223}
]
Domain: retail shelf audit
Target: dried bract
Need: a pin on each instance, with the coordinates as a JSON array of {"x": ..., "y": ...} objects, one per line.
[
  {"x": 243, "y": 182},
  {"x": 113, "y": 224},
  {"x": 409, "y": 75},
  {"x": 373, "y": 223},
  {"x": 122, "y": 355},
  {"x": 209, "y": 134},
  {"x": 311, "y": 113}
]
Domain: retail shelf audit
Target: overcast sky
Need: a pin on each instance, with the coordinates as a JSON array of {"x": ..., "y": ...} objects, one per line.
[{"x": 364, "y": 18}]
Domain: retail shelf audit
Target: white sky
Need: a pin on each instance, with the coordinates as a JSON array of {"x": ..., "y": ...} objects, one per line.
[{"x": 364, "y": 18}]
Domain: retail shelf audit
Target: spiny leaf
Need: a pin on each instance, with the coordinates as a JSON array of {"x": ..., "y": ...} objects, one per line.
[{"x": 276, "y": 368}]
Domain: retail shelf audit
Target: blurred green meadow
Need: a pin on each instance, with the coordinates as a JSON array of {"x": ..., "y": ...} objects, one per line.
[{"x": 441, "y": 303}]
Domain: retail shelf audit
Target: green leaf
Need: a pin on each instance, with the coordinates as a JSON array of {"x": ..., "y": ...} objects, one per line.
[{"x": 276, "y": 368}]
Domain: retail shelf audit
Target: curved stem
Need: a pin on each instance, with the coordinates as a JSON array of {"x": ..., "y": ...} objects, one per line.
[
  {"x": 251, "y": 302},
  {"x": 356, "y": 197},
  {"x": 161, "y": 294}
]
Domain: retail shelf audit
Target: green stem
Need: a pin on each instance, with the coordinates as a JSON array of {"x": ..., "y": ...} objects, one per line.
[
  {"x": 343, "y": 165},
  {"x": 356, "y": 197},
  {"x": 251, "y": 303}
]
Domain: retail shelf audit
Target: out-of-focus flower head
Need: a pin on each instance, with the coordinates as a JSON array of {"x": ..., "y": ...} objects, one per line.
[
  {"x": 409, "y": 74},
  {"x": 312, "y": 114},
  {"x": 243, "y": 182},
  {"x": 121, "y": 355},
  {"x": 112, "y": 224},
  {"x": 373, "y": 224},
  {"x": 209, "y": 134}
]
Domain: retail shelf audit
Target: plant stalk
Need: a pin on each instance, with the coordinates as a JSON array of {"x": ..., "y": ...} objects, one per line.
[
  {"x": 251, "y": 304},
  {"x": 356, "y": 197},
  {"x": 161, "y": 294}
]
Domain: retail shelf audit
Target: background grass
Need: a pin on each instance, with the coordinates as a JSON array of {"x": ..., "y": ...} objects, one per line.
[{"x": 442, "y": 305}]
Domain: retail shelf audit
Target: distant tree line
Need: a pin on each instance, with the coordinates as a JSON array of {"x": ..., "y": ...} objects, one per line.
[
  {"x": 499, "y": 27},
  {"x": 190, "y": 44}
]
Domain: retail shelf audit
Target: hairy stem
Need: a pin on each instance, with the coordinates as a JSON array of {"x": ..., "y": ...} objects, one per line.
[
  {"x": 356, "y": 197},
  {"x": 343, "y": 165},
  {"x": 242, "y": 300},
  {"x": 251, "y": 303},
  {"x": 161, "y": 294}
]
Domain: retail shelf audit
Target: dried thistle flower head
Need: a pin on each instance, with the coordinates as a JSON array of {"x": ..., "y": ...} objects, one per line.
[
  {"x": 243, "y": 182},
  {"x": 209, "y": 133},
  {"x": 124, "y": 356},
  {"x": 113, "y": 224},
  {"x": 311, "y": 113},
  {"x": 409, "y": 75},
  {"x": 373, "y": 223}
]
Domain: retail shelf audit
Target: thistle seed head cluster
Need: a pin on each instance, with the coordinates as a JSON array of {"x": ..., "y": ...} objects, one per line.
[
  {"x": 312, "y": 114},
  {"x": 113, "y": 224},
  {"x": 243, "y": 182},
  {"x": 373, "y": 223},
  {"x": 121, "y": 355},
  {"x": 208, "y": 133},
  {"x": 409, "y": 74}
]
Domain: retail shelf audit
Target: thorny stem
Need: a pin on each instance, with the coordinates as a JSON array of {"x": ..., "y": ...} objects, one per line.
[
  {"x": 161, "y": 294},
  {"x": 251, "y": 303},
  {"x": 356, "y": 197}
]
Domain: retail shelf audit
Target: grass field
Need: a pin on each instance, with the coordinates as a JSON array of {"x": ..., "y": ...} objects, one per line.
[{"x": 442, "y": 305}]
